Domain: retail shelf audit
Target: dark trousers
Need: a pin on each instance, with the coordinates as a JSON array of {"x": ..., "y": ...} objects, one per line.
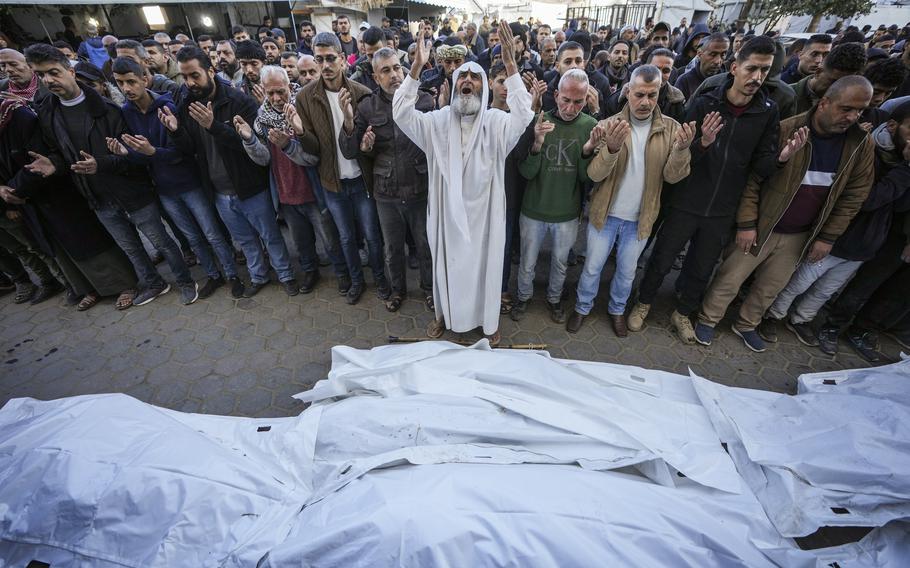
[
  {"x": 511, "y": 233},
  {"x": 889, "y": 307},
  {"x": 871, "y": 275},
  {"x": 708, "y": 235},
  {"x": 395, "y": 218},
  {"x": 12, "y": 267},
  {"x": 16, "y": 238}
]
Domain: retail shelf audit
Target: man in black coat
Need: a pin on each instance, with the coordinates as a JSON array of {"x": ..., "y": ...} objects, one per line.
[{"x": 77, "y": 123}]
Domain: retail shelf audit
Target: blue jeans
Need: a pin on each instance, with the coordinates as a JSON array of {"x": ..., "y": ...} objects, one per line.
[
  {"x": 305, "y": 222},
  {"x": 122, "y": 226},
  {"x": 624, "y": 234},
  {"x": 249, "y": 221},
  {"x": 195, "y": 217},
  {"x": 351, "y": 205},
  {"x": 533, "y": 233}
]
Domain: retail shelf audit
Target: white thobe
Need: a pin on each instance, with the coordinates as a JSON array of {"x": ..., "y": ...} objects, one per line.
[{"x": 466, "y": 213}]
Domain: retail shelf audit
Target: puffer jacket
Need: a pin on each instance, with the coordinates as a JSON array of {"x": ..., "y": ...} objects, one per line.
[
  {"x": 399, "y": 166},
  {"x": 663, "y": 163},
  {"x": 764, "y": 202}
]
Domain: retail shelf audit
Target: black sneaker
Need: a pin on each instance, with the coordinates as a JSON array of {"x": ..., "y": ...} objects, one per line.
[
  {"x": 354, "y": 293},
  {"x": 557, "y": 314},
  {"x": 189, "y": 293},
  {"x": 768, "y": 329},
  {"x": 827, "y": 340},
  {"x": 519, "y": 309},
  {"x": 383, "y": 290},
  {"x": 344, "y": 284},
  {"x": 309, "y": 281},
  {"x": 254, "y": 288},
  {"x": 803, "y": 332},
  {"x": 24, "y": 292},
  {"x": 866, "y": 345},
  {"x": 46, "y": 291},
  {"x": 237, "y": 288},
  {"x": 291, "y": 287},
  {"x": 210, "y": 286}
]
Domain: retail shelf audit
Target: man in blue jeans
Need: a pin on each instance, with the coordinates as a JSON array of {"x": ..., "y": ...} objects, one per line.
[
  {"x": 204, "y": 126},
  {"x": 626, "y": 196},
  {"x": 323, "y": 114},
  {"x": 177, "y": 180},
  {"x": 76, "y": 124}
]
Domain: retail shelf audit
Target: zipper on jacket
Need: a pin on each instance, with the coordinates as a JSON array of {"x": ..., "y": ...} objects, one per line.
[
  {"x": 792, "y": 197},
  {"x": 723, "y": 166}
]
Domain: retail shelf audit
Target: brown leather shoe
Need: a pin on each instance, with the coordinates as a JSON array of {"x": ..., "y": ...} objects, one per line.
[
  {"x": 575, "y": 321},
  {"x": 619, "y": 325}
]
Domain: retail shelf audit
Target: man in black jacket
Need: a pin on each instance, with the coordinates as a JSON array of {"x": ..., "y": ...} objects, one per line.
[
  {"x": 204, "y": 127},
  {"x": 399, "y": 176},
  {"x": 76, "y": 124},
  {"x": 711, "y": 52},
  {"x": 738, "y": 129},
  {"x": 572, "y": 55}
]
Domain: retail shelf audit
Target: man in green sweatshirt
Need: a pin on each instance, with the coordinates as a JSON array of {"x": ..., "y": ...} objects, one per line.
[{"x": 556, "y": 168}]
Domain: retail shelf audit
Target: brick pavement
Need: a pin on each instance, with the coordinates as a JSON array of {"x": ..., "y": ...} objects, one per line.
[{"x": 247, "y": 357}]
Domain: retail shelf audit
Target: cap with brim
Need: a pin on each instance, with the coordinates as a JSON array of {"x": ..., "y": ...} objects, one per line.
[
  {"x": 278, "y": 32},
  {"x": 874, "y": 54},
  {"x": 364, "y": 25},
  {"x": 661, "y": 26},
  {"x": 89, "y": 72}
]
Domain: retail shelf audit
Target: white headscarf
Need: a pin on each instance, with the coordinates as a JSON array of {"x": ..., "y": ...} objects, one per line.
[{"x": 456, "y": 159}]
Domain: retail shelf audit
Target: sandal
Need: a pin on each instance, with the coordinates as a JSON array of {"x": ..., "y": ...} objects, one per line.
[
  {"x": 436, "y": 328},
  {"x": 87, "y": 301},
  {"x": 393, "y": 303},
  {"x": 429, "y": 303},
  {"x": 505, "y": 303},
  {"x": 494, "y": 339},
  {"x": 125, "y": 299}
]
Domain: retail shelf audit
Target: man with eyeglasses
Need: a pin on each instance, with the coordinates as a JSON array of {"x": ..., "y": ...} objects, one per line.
[{"x": 325, "y": 107}]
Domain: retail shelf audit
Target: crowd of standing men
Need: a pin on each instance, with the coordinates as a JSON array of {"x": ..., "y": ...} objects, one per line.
[{"x": 780, "y": 174}]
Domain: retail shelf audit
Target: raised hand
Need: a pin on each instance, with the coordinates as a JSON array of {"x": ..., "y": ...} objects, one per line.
[
  {"x": 87, "y": 165},
  {"x": 202, "y": 113},
  {"x": 538, "y": 89},
  {"x": 793, "y": 145},
  {"x": 442, "y": 100},
  {"x": 747, "y": 239},
  {"x": 617, "y": 132},
  {"x": 594, "y": 139},
  {"x": 167, "y": 118},
  {"x": 369, "y": 138},
  {"x": 541, "y": 129},
  {"x": 290, "y": 113},
  {"x": 258, "y": 93},
  {"x": 421, "y": 56},
  {"x": 507, "y": 47},
  {"x": 593, "y": 99},
  {"x": 115, "y": 147},
  {"x": 684, "y": 135},
  {"x": 139, "y": 144},
  {"x": 710, "y": 126},
  {"x": 347, "y": 109},
  {"x": 42, "y": 165},
  {"x": 528, "y": 79},
  {"x": 279, "y": 138},
  {"x": 243, "y": 129}
]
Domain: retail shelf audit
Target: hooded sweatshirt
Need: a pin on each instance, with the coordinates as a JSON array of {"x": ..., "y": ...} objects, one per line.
[{"x": 171, "y": 171}]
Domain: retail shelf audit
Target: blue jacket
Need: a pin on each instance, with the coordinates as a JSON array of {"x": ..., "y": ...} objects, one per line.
[
  {"x": 92, "y": 50},
  {"x": 171, "y": 171}
]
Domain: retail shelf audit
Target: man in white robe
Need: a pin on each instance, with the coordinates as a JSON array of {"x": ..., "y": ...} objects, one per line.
[{"x": 466, "y": 145}]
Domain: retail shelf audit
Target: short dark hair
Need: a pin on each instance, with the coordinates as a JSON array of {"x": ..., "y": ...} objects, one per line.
[
  {"x": 60, "y": 44},
  {"x": 819, "y": 38},
  {"x": 797, "y": 45},
  {"x": 567, "y": 45},
  {"x": 152, "y": 43},
  {"x": 759, "y": 45},
  {"x": 626, "y": 42},
  {"x": 307, "y": 24},
  {"x": 268, "y": 31},
  {"x": 327, "y": 39},
  {"x": 203, "y": 38},
  {"x": 497, "y": 70},
  {"x": 343, "y": 17},
  {"x": 388, "y": 34},
  {"x": 854, "y": 36},
  {"x": 885, "y": 37},
  {"x": 249, "y": 50},
  {"x": 888, "y": 73},
  {"x": 44, "y": 53},
  {"x": 175, "y": 42},
  {"x": 190, "y": 52},
  {"x": 237, "y": 29},
  {"x": 290, "y": 54},
  {"x": 372, "y": 36},
  {"x": 124, "y": 65},
  {"x": 846, "y": 58},
  {"x": 659, "y": 52}
]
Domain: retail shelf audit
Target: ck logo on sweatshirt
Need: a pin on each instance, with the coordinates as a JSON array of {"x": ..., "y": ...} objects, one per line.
[{"x": 557, "y": 152}]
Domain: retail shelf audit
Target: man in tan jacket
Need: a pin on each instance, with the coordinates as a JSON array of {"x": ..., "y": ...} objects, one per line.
[
  {"x": 642, "y": 150},
  {"x": 798, "y": 212}
]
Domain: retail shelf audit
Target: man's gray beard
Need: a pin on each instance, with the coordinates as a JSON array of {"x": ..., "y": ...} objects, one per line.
[{"x": 466, "y": 105}]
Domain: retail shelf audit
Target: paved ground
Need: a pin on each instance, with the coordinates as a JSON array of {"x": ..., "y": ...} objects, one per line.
[{"x": 247, "y": 357}]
